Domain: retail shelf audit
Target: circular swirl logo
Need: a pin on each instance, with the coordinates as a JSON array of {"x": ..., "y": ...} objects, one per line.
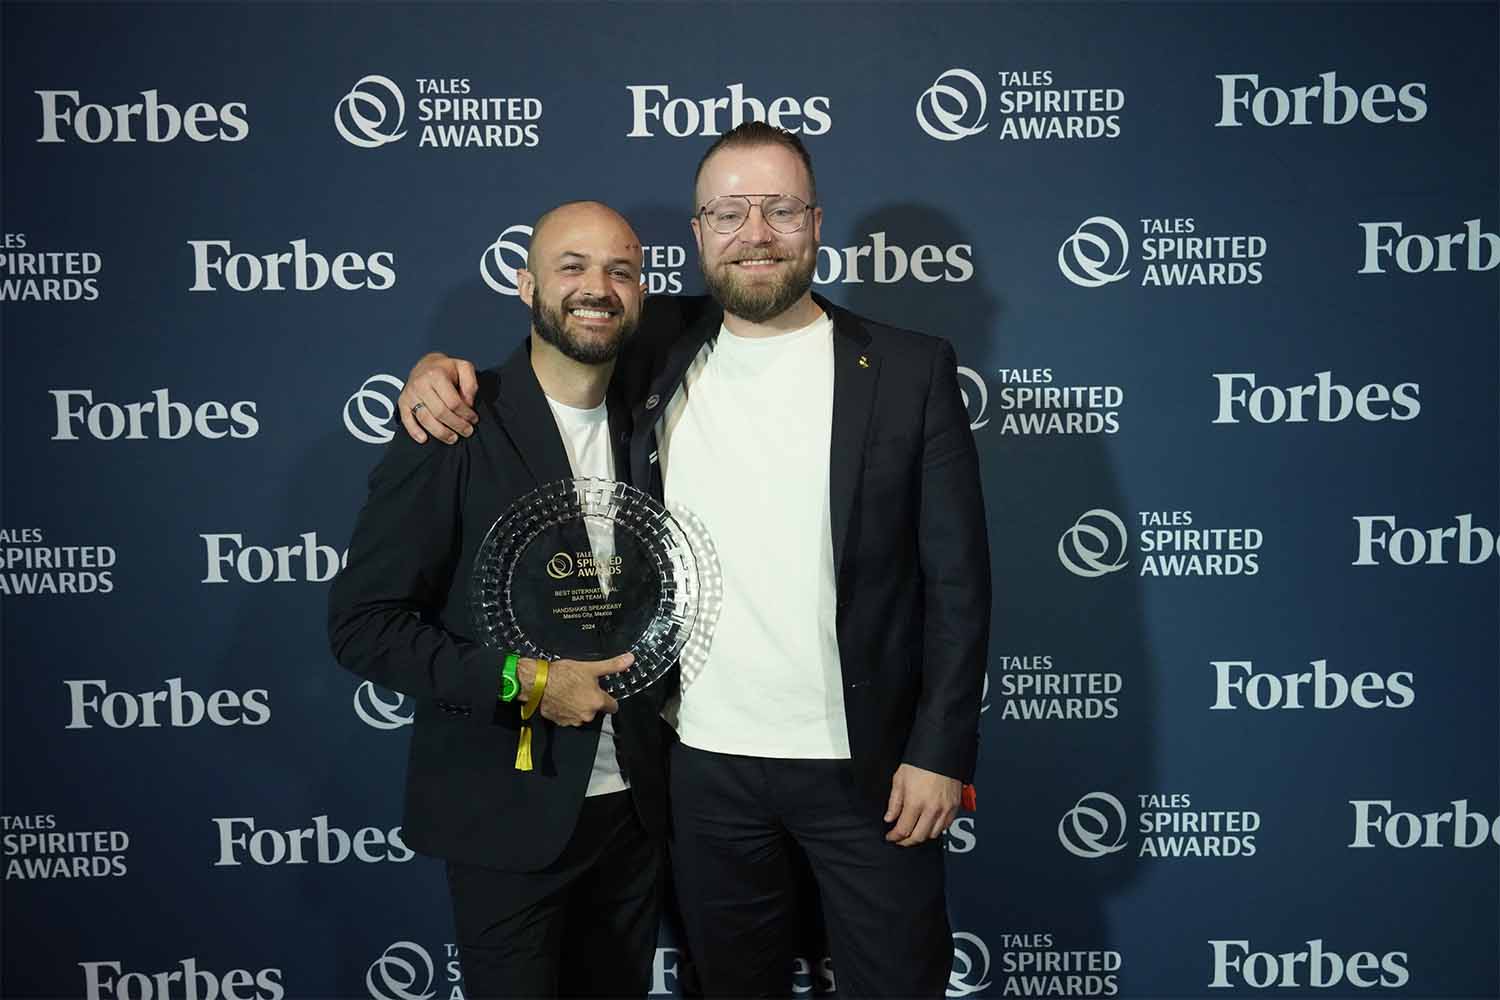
[
  {"x": 1095, "y": 545},
  {"x": 971, "y": 965},
  {"x": 977, "y": 404},
  {"x": 560, "y": 566},
  {"x": 1094, "y": 827},
  {"x": 364, "y": 116},
  {"x": 503, "y": 258},
  {"x": 368, "y": 413},
  {"x": 397, "y": 974},
  {"x": 943, "y": 109},
  {"x": 1095, "y": 254},
  {"x": 379, "y": 712}
]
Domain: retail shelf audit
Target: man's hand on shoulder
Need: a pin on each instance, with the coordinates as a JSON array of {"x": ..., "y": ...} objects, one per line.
[
  {"x": 923, "y": 804},
  {"x": 573, "y": 696},
  {"x": 438, "y": 399}
]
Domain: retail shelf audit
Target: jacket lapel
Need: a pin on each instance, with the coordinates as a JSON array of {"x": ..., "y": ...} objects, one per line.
[
  {"x": 678, "y": 354},
  {"x": 856, "y": 370},
  {"x": 619, "y": 434},
  {"x": 527, "y": 420}
]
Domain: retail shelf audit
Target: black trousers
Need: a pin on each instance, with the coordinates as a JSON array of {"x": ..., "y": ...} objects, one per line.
[
  {"x": 737, "y": 823},
  {"x": 585, "y": 926}
]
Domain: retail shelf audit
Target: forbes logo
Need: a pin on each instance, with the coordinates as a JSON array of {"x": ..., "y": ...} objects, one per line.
[
  {"x": 77, "y": 412},
  {"x": 1457, "y": 827},
  {"x": 103, "y": 981},
  {"x": 1472, "y": 543},
  {"x": 1235, "y": 964},
  {"x": 889, "y": 263},
  {"x": 1335, "y": 104},
  {"x": 307, "y": 561},
  {"x": 680, "y": 117},
  {"x": 1238, "y": 683},
  {"x": 91, "y": 701},
  {"x": 960, "y": 837},
  {"x": 306, "y": 272},
  {"x": 151, "y": 119},
  {"x": 240, "y": 840},
  {"x": 1267, "y": 404},
  {"x": 1415, "y": 253}
]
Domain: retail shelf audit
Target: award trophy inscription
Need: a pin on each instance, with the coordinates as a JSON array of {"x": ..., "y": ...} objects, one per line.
[{"x": 586, "y": 569}]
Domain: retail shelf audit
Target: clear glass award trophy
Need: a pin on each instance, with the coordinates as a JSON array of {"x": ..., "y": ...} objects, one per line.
[{"x": 586, "y": 569}]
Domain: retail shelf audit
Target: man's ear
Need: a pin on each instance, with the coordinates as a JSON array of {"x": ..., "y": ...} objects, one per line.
[{"x": 525, "y": 285}]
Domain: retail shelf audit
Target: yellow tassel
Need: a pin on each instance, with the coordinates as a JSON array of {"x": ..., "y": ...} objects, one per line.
[
  {"x": 533, "y": 701},
  {"x": 523, "y": 752}
]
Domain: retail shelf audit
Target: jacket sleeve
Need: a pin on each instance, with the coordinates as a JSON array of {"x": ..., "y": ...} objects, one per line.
[
  {"x": 954, "y": 554},
  {"x": 383, "y": 606}
]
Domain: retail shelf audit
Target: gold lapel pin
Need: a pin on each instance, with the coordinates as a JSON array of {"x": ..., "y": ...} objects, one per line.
[{"x": 864, "y": 361}]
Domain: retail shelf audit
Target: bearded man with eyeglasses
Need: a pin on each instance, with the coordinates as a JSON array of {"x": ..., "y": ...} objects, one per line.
[{"x": 831, "y": 461}]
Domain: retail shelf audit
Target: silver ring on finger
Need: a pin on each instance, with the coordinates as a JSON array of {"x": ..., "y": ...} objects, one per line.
[{"x": 419, "y": 406}]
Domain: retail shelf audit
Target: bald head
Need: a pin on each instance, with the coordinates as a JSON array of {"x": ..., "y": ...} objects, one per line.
[{"x": 573, "y": 220}]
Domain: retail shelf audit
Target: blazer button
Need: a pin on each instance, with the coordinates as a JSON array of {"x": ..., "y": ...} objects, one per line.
[{"x": 652, "y": 400}]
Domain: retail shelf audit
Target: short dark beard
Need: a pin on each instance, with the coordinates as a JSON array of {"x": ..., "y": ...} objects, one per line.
[
  {"x": 758, "y": 306},
  {"x": 551, "y": 326}
]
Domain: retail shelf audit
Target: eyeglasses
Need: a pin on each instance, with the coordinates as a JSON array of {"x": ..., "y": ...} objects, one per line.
[{"x": 784, "y": 213}]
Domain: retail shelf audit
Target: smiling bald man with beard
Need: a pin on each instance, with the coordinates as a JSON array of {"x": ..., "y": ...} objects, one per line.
[{"x": 553, "y": 872}]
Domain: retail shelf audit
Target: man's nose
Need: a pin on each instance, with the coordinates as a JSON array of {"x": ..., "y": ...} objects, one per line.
[
  {"x": 755, "y": 229},
  {"x": 595, "y": 282}
]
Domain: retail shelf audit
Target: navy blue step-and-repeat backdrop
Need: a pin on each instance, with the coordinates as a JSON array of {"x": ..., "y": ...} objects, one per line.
[{"x": 1223, "y": 285}]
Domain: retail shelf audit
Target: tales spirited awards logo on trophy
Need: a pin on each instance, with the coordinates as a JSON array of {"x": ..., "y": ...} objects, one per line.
[{"x": 588, "y": 569}]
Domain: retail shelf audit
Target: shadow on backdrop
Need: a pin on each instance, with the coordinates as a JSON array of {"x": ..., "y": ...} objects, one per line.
[{"x": 1018, "y": 876}]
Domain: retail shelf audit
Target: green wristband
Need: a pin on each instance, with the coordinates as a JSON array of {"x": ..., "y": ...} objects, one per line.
[{"x": 510, "y": 685}]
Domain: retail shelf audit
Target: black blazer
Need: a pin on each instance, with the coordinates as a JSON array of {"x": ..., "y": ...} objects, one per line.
[
  {"x": 910, "y": 543},
  {"x": 398, "y": 614}
]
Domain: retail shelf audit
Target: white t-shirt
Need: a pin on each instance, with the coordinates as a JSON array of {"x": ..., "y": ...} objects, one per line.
[
  {"x": 744, "y": 445},
  {"x": 585, "y": 435}
]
